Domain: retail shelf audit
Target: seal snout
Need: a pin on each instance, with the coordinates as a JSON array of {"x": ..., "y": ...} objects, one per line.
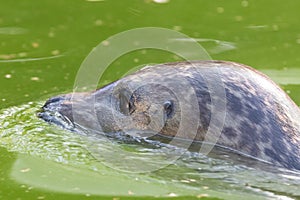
[{"x": 56, "y": 110}]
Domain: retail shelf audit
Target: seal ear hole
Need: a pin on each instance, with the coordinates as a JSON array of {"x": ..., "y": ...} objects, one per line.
[
  {"x": 169, "y": 108},
  {"x": 126, "y": 102}
]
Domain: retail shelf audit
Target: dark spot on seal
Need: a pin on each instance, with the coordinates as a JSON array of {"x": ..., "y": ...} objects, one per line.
[
  {"x": 265, "y": 135},
  {"x": 246, "y": 126},
  {"x": 271, "y": 153},
  {"x": 204, "y": 99},
  {"x": 256, "y": 116},
  {"x": 249, "y": 139},
  {"x": 230, "y": 132},
  {"x": 234, "y": 103}
]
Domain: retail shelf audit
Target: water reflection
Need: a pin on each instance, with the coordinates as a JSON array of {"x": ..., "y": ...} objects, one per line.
[
  {"x": 287, "y": 76},
  {"x": 30, "y": 59},
  {"x": 12, "y": 30},
  {"x": 218, "y": 46},
  {"x": 60, "y": 161}
]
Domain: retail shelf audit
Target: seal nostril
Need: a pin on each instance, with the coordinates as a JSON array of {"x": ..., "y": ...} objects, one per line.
[{"x": 54, "y": 100}]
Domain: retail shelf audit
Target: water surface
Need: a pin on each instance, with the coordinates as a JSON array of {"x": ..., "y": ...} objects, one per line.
[{"x": 42, "y": 45}]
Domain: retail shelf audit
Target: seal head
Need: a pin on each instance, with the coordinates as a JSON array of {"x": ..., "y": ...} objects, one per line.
[{"x": 260, "y": 120}]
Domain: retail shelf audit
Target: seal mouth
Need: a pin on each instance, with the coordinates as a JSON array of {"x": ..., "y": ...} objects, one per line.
[{"x": 52, "y": 112}]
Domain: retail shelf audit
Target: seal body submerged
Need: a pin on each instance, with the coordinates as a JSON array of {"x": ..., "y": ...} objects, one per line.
[{"x": 250, "y": 113}]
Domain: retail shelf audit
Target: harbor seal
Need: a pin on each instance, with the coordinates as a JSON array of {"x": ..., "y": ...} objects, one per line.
[{"x": 260, "y": 119}]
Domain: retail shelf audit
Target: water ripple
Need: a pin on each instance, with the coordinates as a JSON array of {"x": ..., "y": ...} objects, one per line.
[
  {"x": 219, "y": 45},
  {"x": 22, "y": 132},
  {"x": 284, "y": 76},
  {"x": 12, "y": 30},
  {"x": 31, "y": 59}
]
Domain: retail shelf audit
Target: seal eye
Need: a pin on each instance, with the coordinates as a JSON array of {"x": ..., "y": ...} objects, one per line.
[
  {"x": 126, "y": 102},
  {"x": 169, "y": 107}
]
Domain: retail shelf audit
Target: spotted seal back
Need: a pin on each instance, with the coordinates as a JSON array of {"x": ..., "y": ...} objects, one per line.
[{"x": 260, "y": 119}]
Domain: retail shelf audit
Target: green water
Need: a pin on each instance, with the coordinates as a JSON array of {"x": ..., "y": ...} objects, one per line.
[{"x": 42, "y": 45}]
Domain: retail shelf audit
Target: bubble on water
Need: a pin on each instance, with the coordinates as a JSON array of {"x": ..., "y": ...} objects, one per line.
[
  {"x": 202, "y": 195},
  {"x": 105, "y": 43},
  {"x": 35, "y": 78},
  {"x": 22, "y": 54},
  {"x": 55, "y": 52},
  {"x": 94, "y": 0},
  {"x": 238, "y": 18},
  {"x": 25, "y": 170},
  {"x": 8, "y": 76},
  {"x": 51, "y": 34},
  {"x": 161, "y": 1},
  {"x": 220, "y": 9},
  {"x": 172, "y": 195},
  {"x": 35, "y": 44},
  {"x": 98, "y": 22},
  {"x": 275, "y": 27},
  {"x": 244, "y": 3},
  {"x": 177, "y": 28},
  {"x": 7, "y": 56}
]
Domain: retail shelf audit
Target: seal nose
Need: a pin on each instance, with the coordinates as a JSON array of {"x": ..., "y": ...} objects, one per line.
[
  {"x": 54, "y": 100},
  {"x": 56, "y": 111}
]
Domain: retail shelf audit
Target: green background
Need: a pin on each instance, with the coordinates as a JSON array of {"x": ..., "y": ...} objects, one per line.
[{"x": 43, "y": 43}]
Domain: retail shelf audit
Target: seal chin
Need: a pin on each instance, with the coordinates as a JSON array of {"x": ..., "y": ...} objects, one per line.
[{"x": 56, "y": 110}]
